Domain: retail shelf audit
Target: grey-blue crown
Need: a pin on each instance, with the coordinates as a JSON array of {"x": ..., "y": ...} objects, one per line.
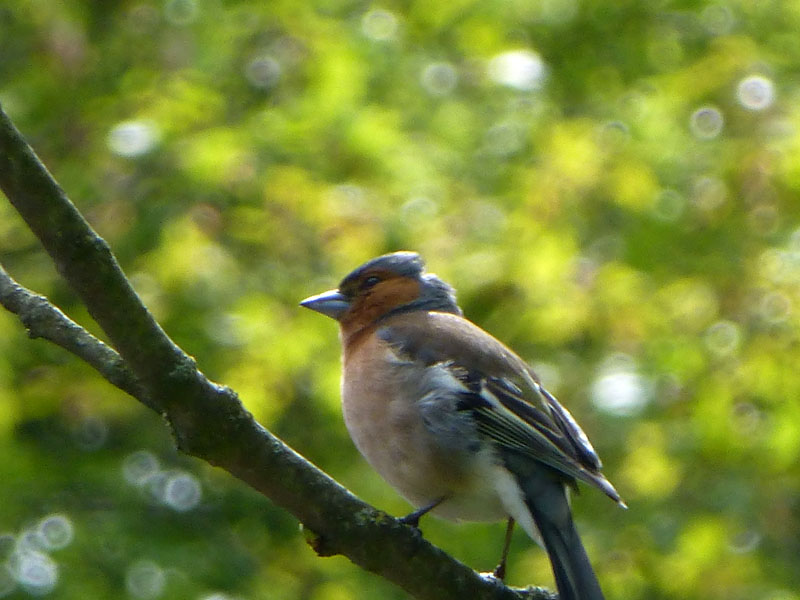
[{"x": 435, "y": 294}]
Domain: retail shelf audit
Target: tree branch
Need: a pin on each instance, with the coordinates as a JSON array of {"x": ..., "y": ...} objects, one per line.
[
  {"x": 208, "y": 420},
  {"x": 43, "y": 320}
]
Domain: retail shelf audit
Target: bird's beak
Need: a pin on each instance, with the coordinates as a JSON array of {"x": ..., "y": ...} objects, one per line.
[{"x": 332, "y": 304}]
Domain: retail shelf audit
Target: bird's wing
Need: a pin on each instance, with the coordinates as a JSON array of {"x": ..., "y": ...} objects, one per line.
[{"x": 501, "y": 393}]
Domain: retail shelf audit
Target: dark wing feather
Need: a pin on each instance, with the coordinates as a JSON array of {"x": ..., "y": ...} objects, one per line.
[{"x": 553, "y": 438}]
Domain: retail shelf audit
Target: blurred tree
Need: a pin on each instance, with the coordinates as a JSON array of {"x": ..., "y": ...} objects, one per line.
[{"x": 612, "y": 189}]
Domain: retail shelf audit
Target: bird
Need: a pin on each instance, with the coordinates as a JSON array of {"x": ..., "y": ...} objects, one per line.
[{"x": 453, "y": 419}]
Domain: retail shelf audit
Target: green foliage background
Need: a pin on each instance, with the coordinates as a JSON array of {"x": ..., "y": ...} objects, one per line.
[{"x": 617, "y": 201}]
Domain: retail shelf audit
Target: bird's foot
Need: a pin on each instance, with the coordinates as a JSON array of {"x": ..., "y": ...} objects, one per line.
[
  {"x": 413, "y": 518},
  {"x": 499, "y": 571}
]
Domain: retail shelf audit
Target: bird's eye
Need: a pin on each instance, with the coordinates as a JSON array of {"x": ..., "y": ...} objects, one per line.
[{"x": 370, "y": 282}]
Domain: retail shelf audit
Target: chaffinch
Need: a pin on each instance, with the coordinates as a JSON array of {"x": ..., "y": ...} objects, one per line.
[{"x": 453, "y": 419}]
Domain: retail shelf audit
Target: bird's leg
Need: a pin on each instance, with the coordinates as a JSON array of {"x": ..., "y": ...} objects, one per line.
[
  {"x": 500, "y": 569},
  {"x": 414, "y": 517}
]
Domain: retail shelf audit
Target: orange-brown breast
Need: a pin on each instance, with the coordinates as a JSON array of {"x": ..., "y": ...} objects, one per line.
[{"x": 380, "y": 404}]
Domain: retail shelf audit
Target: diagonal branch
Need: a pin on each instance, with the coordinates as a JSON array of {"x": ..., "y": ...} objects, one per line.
[
  {"x": 208, "y": 420},
  {"x": 85, "y": 261},
  {"x": 43, "y": 320}
]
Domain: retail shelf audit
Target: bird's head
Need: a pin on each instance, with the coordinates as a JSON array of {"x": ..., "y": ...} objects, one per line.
[{"x": 385, "y": 285}]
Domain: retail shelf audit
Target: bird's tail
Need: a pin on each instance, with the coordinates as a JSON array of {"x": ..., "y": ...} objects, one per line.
[
  {"x": 575, "y": 578},
  {"x": 546, "y": 499}
]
